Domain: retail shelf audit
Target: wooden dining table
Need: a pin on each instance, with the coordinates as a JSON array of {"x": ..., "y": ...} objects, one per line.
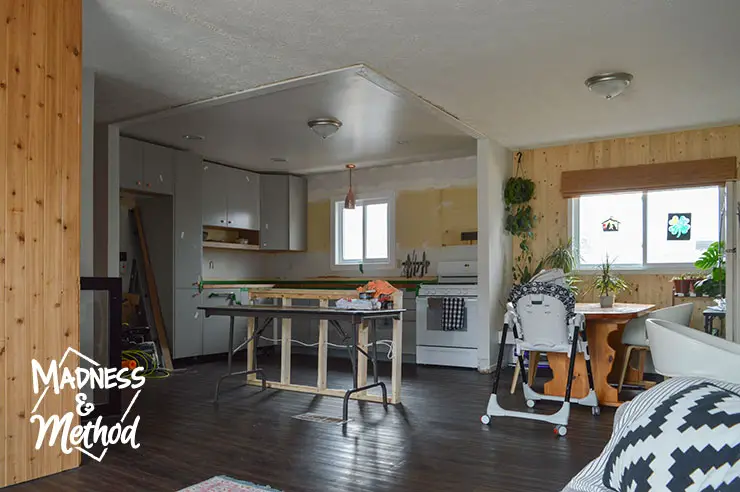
[{"x": 604, "y": 327}]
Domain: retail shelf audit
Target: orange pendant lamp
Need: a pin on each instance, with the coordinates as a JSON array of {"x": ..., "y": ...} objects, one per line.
[{"x": 349, "y": 200}]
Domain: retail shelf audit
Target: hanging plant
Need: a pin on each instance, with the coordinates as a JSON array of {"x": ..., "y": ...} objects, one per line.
[
  {"x": 518, "y": 190},
  {"x": 520, "y": 221}
]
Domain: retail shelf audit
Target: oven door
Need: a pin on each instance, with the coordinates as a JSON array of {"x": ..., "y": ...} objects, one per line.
[{"x": 429, "y": 330}]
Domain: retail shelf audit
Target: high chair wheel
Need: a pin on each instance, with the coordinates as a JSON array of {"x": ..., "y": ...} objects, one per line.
[
  {"x": 485, "y": 419},
  {"x": 595, "y": 411},
  {"x": 560, "y": 430},
  {"x": 530, "y": 403}
]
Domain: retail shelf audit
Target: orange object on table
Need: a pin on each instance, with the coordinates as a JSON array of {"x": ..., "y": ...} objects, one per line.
[{"x": 378, "y": 288}]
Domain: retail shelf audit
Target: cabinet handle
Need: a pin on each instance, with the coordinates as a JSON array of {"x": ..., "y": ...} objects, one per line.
[
  {"x": 222, "y": 221},
  {"x": 229, "y": 222},
  {"x": 138, "y": 183},
  {"x": 264, "y": 244},
  {"x": 267, "y": 227}
]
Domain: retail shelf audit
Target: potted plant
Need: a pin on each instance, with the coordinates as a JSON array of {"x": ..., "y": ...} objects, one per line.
[
  {"x": 608, "y": 283},
  {"x": 693, "y": 279},
  {"x": 676, "y": 285},
  {"x": 712, "y": 262}
]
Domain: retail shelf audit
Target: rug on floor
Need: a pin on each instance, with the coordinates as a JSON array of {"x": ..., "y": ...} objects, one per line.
[{"x": 222, "y": 483}]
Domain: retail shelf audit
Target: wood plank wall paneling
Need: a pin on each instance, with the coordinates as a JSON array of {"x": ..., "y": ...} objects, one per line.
[
  {"x": 545, "y": 165},
  {"x": 40, "y": 105}
]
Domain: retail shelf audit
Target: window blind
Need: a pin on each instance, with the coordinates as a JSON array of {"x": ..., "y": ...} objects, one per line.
[{"x": 667, "y": 175}]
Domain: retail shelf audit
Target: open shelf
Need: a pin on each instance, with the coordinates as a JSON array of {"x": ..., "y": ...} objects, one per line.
[
  {"x": 222, "y": 238},
  {"x": 223, "y": 245}
]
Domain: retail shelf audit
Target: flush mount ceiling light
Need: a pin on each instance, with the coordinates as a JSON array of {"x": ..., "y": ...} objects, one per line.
[
  {"x": 193, "y": 137},
  {"x": 609, "y": 85},
  {"x": 324, "y": 127},
  {"x": 349, "y": 200}
]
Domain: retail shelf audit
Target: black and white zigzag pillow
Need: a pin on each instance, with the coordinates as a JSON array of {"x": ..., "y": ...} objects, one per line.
[{"x": 690, "y": 441}]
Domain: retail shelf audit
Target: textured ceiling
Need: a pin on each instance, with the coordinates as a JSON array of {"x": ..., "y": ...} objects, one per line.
[
  {"x": 513, "y": 69},
  {"x": 251, "y": 129}
]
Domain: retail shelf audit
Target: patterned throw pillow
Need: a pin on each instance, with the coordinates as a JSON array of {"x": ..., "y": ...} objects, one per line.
[{"x": 689, "y": 441}]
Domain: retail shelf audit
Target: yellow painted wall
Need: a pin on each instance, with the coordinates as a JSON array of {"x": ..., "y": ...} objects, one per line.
[
  {"x": 545, "y": 166},
  {"x": 429, "y": 218}
]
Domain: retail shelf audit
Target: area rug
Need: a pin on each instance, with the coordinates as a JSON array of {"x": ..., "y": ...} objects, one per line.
[{"x": 222, "y": 483}]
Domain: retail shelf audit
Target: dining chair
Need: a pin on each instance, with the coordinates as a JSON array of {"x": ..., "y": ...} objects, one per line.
[
  {"x": 533, "y": 358},
  {"x": 681, "y": 351},
  {"x": 635, "y": 335}
]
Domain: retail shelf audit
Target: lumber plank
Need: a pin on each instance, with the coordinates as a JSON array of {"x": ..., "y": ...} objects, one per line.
[{"x": 153, "y": 295}]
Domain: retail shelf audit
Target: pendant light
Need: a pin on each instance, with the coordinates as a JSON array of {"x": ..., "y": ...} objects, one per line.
[{"x": 349, "y": 200}]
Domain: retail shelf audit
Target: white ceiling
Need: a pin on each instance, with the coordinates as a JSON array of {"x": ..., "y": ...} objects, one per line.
[
  {"x": 251, "y": 129},
  {"x": 513, "y": 69}
]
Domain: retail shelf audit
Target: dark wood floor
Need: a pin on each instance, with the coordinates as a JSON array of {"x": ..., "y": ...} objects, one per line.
[{"x": 434, "y": 441}]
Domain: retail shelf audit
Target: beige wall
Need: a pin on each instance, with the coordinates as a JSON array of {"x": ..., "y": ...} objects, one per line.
[
  {"x": 545, "y": 165},
  {"x": 431, "y": 218}
]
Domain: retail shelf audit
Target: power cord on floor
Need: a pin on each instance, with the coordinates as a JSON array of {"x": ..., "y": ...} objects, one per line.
[
  {"x": 145, "y": 361},
  {"x": 388, "y": 343}
]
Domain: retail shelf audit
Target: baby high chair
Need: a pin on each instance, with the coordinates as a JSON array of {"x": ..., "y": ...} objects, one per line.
[{"x": 543, "y": 319}]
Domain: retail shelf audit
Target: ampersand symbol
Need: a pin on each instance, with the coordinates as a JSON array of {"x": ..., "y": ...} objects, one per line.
[{"x": 83, "y": 408}]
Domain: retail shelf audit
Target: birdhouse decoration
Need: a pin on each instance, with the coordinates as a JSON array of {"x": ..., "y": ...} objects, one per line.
[{"x": 610, "y": 225}]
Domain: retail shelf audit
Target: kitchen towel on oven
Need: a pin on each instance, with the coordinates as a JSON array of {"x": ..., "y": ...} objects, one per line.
[{"x": 453, "y": 313}]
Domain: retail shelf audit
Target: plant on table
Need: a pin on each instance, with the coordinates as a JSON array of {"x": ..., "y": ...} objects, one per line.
[
  {"x": 712, "y": 263},
  {"x": 608, "y": 283}
]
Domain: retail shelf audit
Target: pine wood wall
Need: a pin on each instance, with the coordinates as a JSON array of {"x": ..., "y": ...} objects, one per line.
[
  {"x": 545, "y": 165},
  {"x": 40, "y": 104}
]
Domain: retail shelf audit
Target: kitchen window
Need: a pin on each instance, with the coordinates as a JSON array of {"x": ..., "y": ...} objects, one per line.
[
  {"x": 363, "y": 235},
  {"x": 665, "y": 229}
]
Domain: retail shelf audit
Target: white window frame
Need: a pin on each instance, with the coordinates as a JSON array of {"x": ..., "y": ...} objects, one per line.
[
  {"x": 337, "y": 263},
  {"x": 574, "y": 229}
]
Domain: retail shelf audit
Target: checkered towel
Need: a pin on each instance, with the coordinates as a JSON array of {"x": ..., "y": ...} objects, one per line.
[{"x": 453, "y": 313}]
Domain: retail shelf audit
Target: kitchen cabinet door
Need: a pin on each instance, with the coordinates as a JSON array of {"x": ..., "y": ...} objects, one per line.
[
  {"x": 244, "y": 199},
  {"x": 188, "y": 220},
  {"x": 188, "y": 339},
  {"x": 274, "y": 231},
  {"x": 216, "y": 328},
  {"x": 215, "y": 194},
  {"x": 131, "y": 158},
  {"x": 297, "y": 213},
  {"x": 158, "y": 171}
]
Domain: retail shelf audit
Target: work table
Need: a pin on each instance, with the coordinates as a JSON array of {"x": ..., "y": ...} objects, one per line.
[{"x": 316, "y": 283}]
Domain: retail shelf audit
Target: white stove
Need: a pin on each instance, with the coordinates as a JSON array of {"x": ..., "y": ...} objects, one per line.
[{"x": 436, "y": 345}]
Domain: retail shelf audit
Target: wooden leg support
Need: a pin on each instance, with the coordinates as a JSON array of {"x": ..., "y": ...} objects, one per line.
[
  {"x": 362, "y": 340},
  {"x": 397, "y": 361},
  {"x": 515, "y": 379},
  {"x": 534, "y": 360},
  {"x": 625, "y": 365},
  {"x": 323, "y": 347},
  {"x": 250, "y": 349},
  {"x": 285, "y": 338}
]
